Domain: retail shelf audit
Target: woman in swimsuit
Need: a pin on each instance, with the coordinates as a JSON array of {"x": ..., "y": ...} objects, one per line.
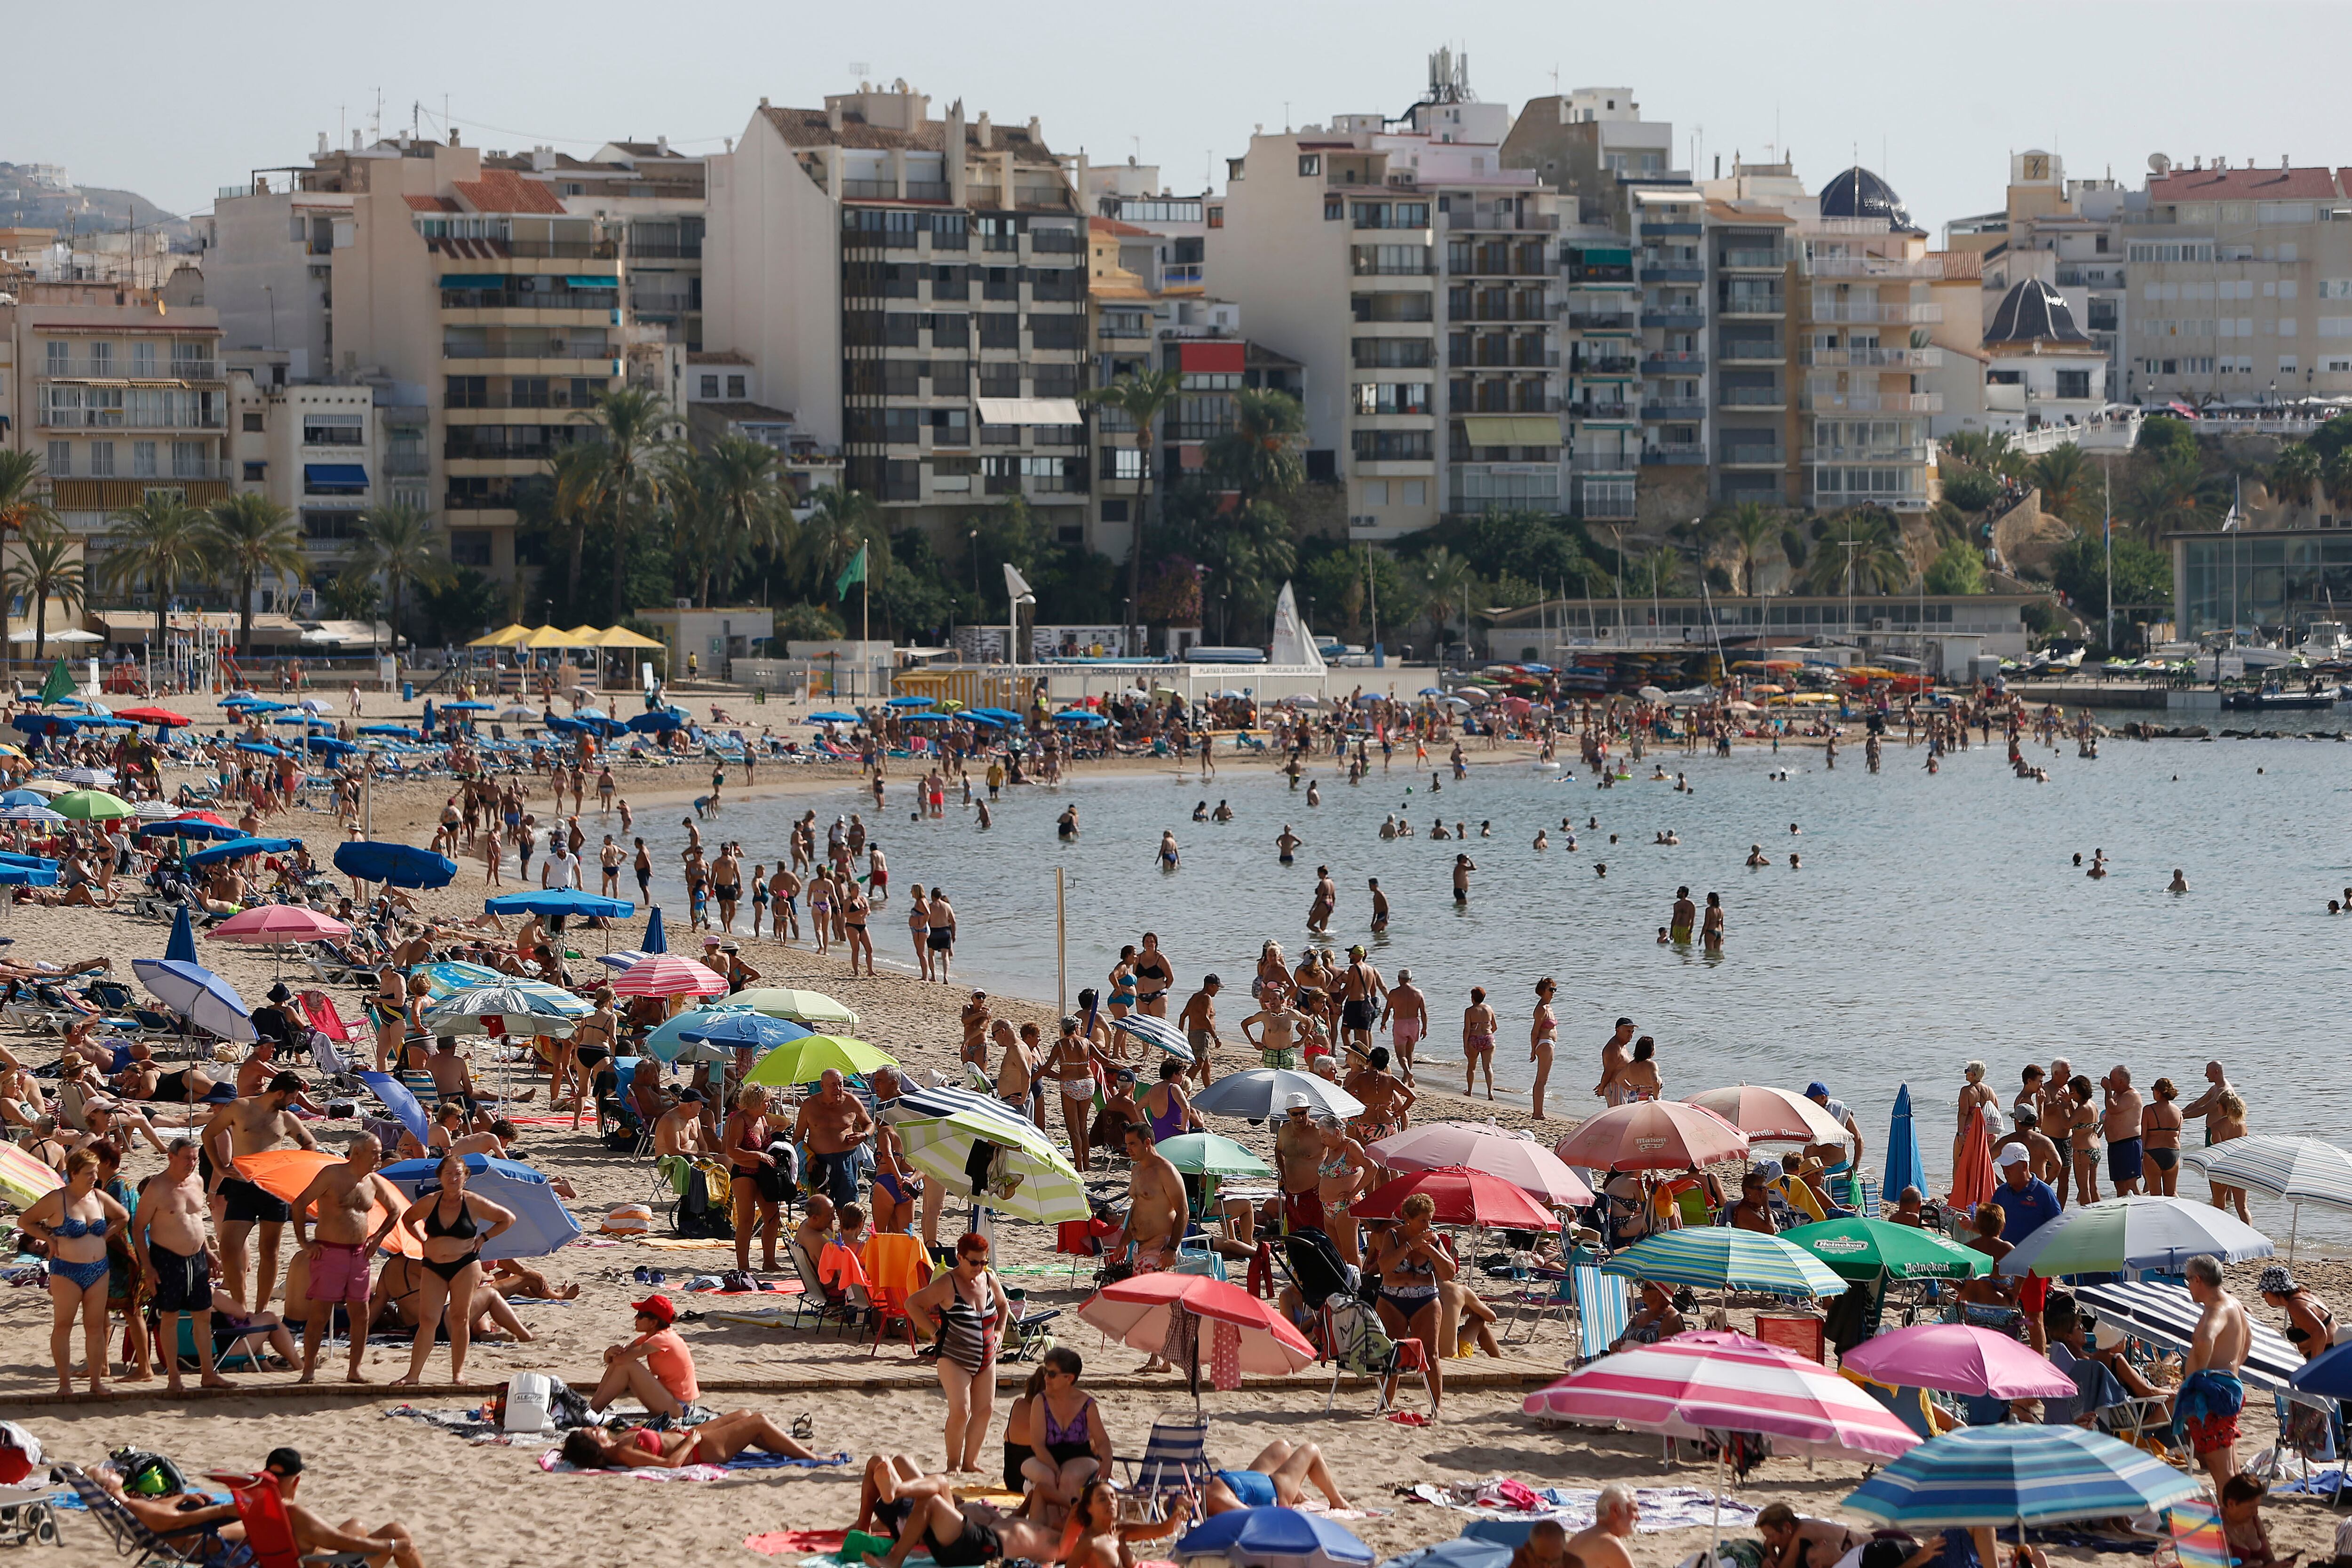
[
  {"x": 714, "y": 1442},
  {"x": 76, "y": 1221},
  {"x": 1411, "y": 1265},
  {"x": 820, "y": 892},
  {"x": 759, "y": 897},
  {"x": 2160, "y": 1132},
  {"x": 963, "y": 1307},
  {"x": 389, "y": 1010},
  {"x": 1153, "y": 977},
  {"x": 755, "y": 1183},
  {"x": 918, "y": 928},
  {"x": 1068, "y": 1447},
  {"x": 2310, "y": 1324},
  {"x": 1020, "y": 1428},
  {"x": 1163, "y": 1104},
  {"x": 456, "y": 1226},
  {"x": 591, "y": 1046},
  {"x": 1542, "y": 1033},
  {"x": 1122, "y": 982},
  {"x": 1478, "y": 1027}
]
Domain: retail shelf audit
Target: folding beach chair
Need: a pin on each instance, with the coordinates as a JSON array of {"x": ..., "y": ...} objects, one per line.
[
  {"x": 1174, "y": 1461},
  {"x": 132, "y": 1538},
  {"x": 268, "y": 1532},
  {"x": 1604, "y": 1311}
]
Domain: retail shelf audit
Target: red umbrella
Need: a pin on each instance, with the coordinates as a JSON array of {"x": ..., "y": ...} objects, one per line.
[
  {"x": 1136, "y": 1311},
  {"x": 163, "y": 716},
  {"x": 1463, "y": 1197},
  {"x": 1653, "y": 1135},
  {"x": 666, "y": 974}
]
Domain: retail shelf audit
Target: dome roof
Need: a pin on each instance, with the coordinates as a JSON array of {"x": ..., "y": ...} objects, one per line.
[
  {"x": 2033, "y": 313},
  {"x": 1858, "y": 193}
]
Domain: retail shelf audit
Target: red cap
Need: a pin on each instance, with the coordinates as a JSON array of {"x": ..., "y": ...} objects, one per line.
[{"x": 657, "y": 1306}]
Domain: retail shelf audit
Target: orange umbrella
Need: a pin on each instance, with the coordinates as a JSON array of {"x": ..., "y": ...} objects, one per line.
[{"x": 284, "y": 1173}]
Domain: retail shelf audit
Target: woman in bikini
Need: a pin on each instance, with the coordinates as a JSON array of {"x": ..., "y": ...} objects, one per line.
[
  {"x": 918, "y": 928},
  {"x": 713, "y": 1442},
  {"x": 1122, "y": 982},
  {"x": 1543, "y": 1031},
  {"x": 1478, "y": 1025},
  {"x": 759, "y": 885},
  {"x": 388, "y": 1009},
  {"x": 456, "y": 1226},
  {"x": 963, "y": 1307},
  {"x": 819, "y": 893},
  {"x": 1153, "y": 977},
  {"x": 755, "y": 1184},
  {"x": 76, "y": 1221},
  {"x": 1411, "y": 1265},
  {"x": 590, "y": 1048},
  {"x": 1068, "y": 1446}
]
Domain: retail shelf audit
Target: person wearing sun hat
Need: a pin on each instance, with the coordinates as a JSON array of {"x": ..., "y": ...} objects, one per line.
[
  {"x": 2310, "y": 1322},
  {"x": 656, "y": 1366}
]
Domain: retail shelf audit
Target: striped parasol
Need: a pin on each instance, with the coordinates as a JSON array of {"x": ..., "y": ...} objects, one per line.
[
  {"x": 24, "y": 1179},
  {"x": 1713, "y": 1382},
  {"x": 1724, "y": 1258},
  {"x": 1027, "y": 1178},
  {"x": 518, "y": 1008},
  {"x": 666, "y": 974},
  {"x": 2137, "y": 1232},
  {"x": 1651, "y": 1135},
  {"x": 1154, "y": 1031},
  {"x": 2164, "y": 1314},
  {"x": 2299, "y": 1169},
  {"x": 2020, "y": 1474}
]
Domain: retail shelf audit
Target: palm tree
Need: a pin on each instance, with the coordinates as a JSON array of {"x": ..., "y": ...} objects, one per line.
[
  {"x": 400, "y": 544},
  {"x": 1140, "y": 395},
  {"x": 1752, "y": 526},
  {"x": 746, "y": 502},
  {"x": 1443, "y": 579},
  {"x": 1860, "y": 553},
  {"x": 20, "y": 504},
  {"x": 635, "y": 424},
  {"x": 246, "y": 536},
  {"x": 163, "y": 540},
  {"x": 47, "y": 567},
  {"x": 2178, "y": 495},
  {"x": 2335, "y": 480},
  {"x": 577, "y": 475},
  {"x": 840, "y": 521},
  {"x": 1259, "y": 456},
  {"x": 2292, "y": 473},
  {"x": 2064, "y": 475},
  {"x": 1659, "y": 572}
]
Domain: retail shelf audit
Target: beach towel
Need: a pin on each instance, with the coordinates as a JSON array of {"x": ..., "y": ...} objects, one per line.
[
  {"x": 552, "y": 1463},
  {"x": 1662, "y": 1508},
  {"x": 797, "y": 1543}
]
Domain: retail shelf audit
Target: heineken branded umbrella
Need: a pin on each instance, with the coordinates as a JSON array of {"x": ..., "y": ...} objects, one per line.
[{"x": 1860, "y": 1249}]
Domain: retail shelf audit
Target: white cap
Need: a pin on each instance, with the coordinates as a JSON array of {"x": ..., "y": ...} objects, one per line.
[
  {"x": 2014, "y": 1154},
  {"x": 1295, "y": 1101}
]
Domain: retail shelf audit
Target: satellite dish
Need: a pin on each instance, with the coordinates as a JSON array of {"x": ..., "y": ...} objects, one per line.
[{"x": 2159, "y": 164}]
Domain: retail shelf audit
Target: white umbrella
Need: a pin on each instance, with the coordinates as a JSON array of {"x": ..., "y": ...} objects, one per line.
[
  {"x": 1154, "y": 1031},
  {"x": 1260, "y": 1093},
  {"x": 45, "y": 785},
  {"x": 30, "y": 814},
  {"x": 92, "y": 778},
  {"x": 2299, "y": 1169}
]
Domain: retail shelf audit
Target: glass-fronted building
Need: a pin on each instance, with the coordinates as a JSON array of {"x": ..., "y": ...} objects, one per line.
[{"x": 2280, "y": 581}]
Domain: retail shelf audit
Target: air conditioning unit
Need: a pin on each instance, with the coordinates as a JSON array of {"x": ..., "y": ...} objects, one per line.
[{"x": 681, "y": 603}]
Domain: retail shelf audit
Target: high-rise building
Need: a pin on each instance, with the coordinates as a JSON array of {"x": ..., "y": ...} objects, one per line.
[{"x": 913, "y": 290}]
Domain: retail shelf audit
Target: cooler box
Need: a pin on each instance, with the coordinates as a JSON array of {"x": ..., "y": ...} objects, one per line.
[{"x": 1799, "y": 1332}]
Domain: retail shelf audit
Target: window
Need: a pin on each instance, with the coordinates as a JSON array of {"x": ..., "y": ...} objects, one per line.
[
  {"x": 2074, "y": 383},
  {"x": 2284, "y": 212},
  {"x": 1376, "y": 492},
  {"x": 332, "y": 430},
  {"x": 255, "y": 473},
  {"x": 1122, "y": 463},
  {"x": 735, "y": 386},
  {"x": 2170, "y": 251},
  {"x": 469, "y": 546},
  {"x": 60, "y": 357},
  {"x": 2286, "y": 364},
  {"x": 1416, "y": 492},
  {"x": 1392, "y": 446},
  {"x": 101, "y": 358},
  {"x": 60, "y": 459},
  {"x": 1217, "y": 217},
  {"x": 252, "y": 422},
  {"x": 710, "y": 386},
  {"x": 143, "y": 459},
  {"x": 1311, "y": 166},
  {"x": 102, "y": 459},
  {"x": 142, "y": 359},
  {"x": 1334, "y": 209},
  {"x": 1000, "y": 329}
]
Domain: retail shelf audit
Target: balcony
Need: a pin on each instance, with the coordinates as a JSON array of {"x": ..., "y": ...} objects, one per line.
[
  {"x": 602, "y": 301},
  {"x": 1678, "y": 318},
  {"x": 1660, "y": 269},
  {"x": 1124, "y": 328},
  {"x": 1054, "y": 242},
  {"x": 1372, "y": 266},
  {"x": 1876, "y": 267},
  {"x": 1676, "y": 454},
  {"x": 1486, "y": 358},
  {"x": 1670, "y": 409},
  {"x": 1673, "y": 361},
  {"x": 665, "y": 250},
  {"x": 1872, "y": 359},
  {"x": 1608, "y": 365},
  {"x": 1604, "y": 413},
  {"x": 457, "y": 447},
  {"x": 1752, "y": 457},
  {"x": 1603, "y": 321},
  {"x": 1874, "y": 402},
  {"x": 527, "y": 351},
  {"x": 1905, "y": 452},
  {"x": 1674, "y": 227},
  {"x": 1529, "y": 310},
  {"x": 1881, "y": 315},
  {"x": 1752, "y": 305},
  {"x": 1743, "y": 259},
  {"x": 1751, "y": 351},
  {"x": 68, "y": 418},
  {"x": 114, "y": 367},
  {"x": 1581, "y": 276},
  {"x": 1181, "y": 275},
  {"x": 564, "y": 249},
  {"x": 1500, "y": 218},
  {"x": 1750, "y": 397},
  {"x": 550, "y": 399}
]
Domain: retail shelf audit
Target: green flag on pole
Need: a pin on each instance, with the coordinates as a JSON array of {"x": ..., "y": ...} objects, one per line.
[
  {"x": 853, "y": 573},
  {"x": 61, "y": 683}
]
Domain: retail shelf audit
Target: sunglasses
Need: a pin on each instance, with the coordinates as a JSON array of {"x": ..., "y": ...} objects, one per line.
[{"x": 972, "y": 1257}]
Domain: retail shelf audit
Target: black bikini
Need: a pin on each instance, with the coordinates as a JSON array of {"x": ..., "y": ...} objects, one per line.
[{"x": 462, "y": 1228}]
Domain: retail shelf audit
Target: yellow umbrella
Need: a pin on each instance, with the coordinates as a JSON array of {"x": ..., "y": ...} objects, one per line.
[
  {"x": 808, "y": 1059},
  {"x": 23, "y": 1179},
  {"x": 582, "y": 636},
  {"x": 505, "y": 637},
  {"x": 547, "y": 636},
  {"x": 621, "y": 637}
]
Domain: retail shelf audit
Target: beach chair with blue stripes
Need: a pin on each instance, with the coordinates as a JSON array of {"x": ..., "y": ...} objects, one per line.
[
  {"x": 1174, "y": 1462},
  {"x": 1604, "y": 1311}
]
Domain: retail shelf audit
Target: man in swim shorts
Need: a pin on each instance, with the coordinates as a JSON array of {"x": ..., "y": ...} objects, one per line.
[{"x": 2119, "y": 1117}]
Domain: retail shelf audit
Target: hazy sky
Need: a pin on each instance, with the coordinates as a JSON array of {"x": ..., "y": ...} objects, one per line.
[{"x": 175, "y": 101}]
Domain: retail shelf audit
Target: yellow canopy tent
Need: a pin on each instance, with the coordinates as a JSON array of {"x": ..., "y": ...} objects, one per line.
[
  {"x": 621, "y": 637},
  {"x": 584, "y": 635},
  {"x": 505, "y": 637},
  {"x": 548, "y": 636}
]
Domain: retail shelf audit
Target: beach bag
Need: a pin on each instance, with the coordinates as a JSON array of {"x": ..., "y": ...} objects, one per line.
[
  {"x": 524, "y": 1402},
  {"x": 1359, "y": 1342},
  {"x": 628, "y": 1219},
  {"x": 698, "y": 1218}
]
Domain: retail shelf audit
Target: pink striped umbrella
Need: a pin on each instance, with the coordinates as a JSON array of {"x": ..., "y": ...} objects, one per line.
[
  {"x": 1717, "y": 1382},
  {"x": 267, "y": 924},
  {"x": 1651, "y": 1135},
  {"x": 666, "y": 974},
  {"x": 1522, "y": 1161}
]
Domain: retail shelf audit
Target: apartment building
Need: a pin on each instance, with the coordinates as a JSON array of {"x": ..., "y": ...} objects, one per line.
[
  {"x": 2064, "y": 232},
  {"x": 914, "y": 290},
  {"x": 319, "y": 450},
  {"x": 651, "y": 198},
  {"x": 118, "y": 392},
  {"x": 722, "y": 394},
  {"x": 482, "y": 313}
]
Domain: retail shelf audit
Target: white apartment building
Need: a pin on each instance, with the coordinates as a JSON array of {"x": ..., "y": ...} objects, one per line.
[{"x": 319, "y": 450}]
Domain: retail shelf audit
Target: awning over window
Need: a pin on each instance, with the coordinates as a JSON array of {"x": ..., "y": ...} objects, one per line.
[
  {"x": 1511, "y": 430},
  {"x": 1030, "y": 411},
  {"x": 334, "y": 478},
  {"x": 586, "y": 282}
]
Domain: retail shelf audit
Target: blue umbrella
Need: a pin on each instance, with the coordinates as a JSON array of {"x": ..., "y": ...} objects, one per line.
[
  {"x": 399, "y": 1101},
  {"x": 188, "y": 828},
  {"x": 833, "y": 716},
  {"x": 396, "y": 731},
  {"x": 655, "y": 939},
  {"x": 563, "y": 726},
  {"x": 660, "y": 721},
  {"x": 239, "y": 849},
  {"x": 927, "y": 718},
  {"x": 400, "y": 865},
  {"x": 585, "y": 713},
  {"x": 666, "y": 1041},
  {"x": 2329, "y": 1374},
  {"x": 447, "y": 978},
  {"x": 559, "y": 901},
  {"x": 253, "y": 705},
  {"x": 1275, "y": 1538},
  {"x": 330, "y": 746},
  {"x": 469, "y": 707},
  {"x": 1903, "y": 1168},
  {"x": 261, "y": 748},
  {"x": 742, "y": 1027},
  {"x": 45, "y": 724},
  {"x": 302, "y": 719},
  {"x": 197, "y": 994},
  {"x": 1461, "y": 1552},
  {"x": 541, "y": 1222},
  {"x": 914, "y": 701},
  {"x": 23, "y": 797},
  {"x": 2022, "y": 1475},
  {"x": 15, "y": 875},
  {"x": 182, "y": 945}
]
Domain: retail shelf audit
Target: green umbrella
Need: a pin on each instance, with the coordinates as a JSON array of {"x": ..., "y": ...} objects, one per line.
[
  {"x": 814, "y": 1008},
  {"x": 92, "y": 806},
  {"x": 1860, "y": 1249},
  {"x": 1721, "y": 1257},
  {"x": 1206, "y": 1154},
  {"x": 806, "y": 1061},
  {"x": 1033, "y": 1179}
]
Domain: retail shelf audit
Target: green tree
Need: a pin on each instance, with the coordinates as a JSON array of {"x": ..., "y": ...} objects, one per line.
[
  {"x": 460, "y": 607},
  {"x": 577, "y": 475},
  {"x": 2070, "y": 487},
  {"x": 1971, "y": 490},
  {"x": 162, "y": 539},
  {"x": 2294, "y": 474},
  {"x": 806, "y": 622},
  {"x": 1139, "y": 397},
  {"x": 2335, "y": 480},
  {"x": 2177, "y": 496},
  {"x": 1259, "y": 458},
  {"x": 1246, "y": 556},
  {"x": 1754, "y": 529},
  {"x": 839, "y": 521},
  {"x": 47, "y": 565},
  {"x": 401, "y": 546},
  {"x": 1659, "y": 572},
  {"x": 248, "y": 536},
  {"x": 1956, "y": 569},
  {"x": 747, "y": 501},
  {"x": 634, "y": 427},
  {"x": 1364, "y": 589},
  {"x": 1172, "y": 595},
  {"x": 2161, "y": 433},
  {"x": 21, "y": 502},
  {"x": 2143, "y": 576},
  {"x": 1859, "y": 553},
  {"x": 1443, "y": 579},
  {"x": 352, "y": 596}
]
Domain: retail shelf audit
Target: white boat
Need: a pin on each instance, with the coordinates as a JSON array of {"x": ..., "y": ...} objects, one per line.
[{"x": 2323, "y": 640}]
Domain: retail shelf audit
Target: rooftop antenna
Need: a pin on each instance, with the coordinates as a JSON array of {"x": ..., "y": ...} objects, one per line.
[
  {"x": 1285, "y": 116},
  {"x": 861, "y": 70}
]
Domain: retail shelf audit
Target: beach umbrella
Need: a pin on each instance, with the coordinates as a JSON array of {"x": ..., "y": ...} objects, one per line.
[
  {"x": 88, "y": 778},
  {"x": 1710, "y": 1382},
  {"x": 914, "y": 702},
  {"x": 666, "y": 974},
  {"x": 392, "y": 731},
  {"x": 815, "y": 1008},
  {"x": 252, "y": 705},
  {"x": 203, "y": 998},
  {"x": 450, "y": 976},
  {"x": 660, "y": 720},
  {"x": 1257, "y": 1094},
  {"x": 665, "y": 1040},
  {"x": 2137, "y": 1232},
  {"x": 2328, "y": 1375},
  {"x": 1461, "y": 1552},
  {"x": 1154, "y": 1031},
  {"x": 261, "y": 748},
  {"x": 519, "y": 713},
  {"x": 1463, "y": 1197},
  {"x": 149, "y": 810},
  {"x": 328, "y": 746},
  {"x": 18, "y": 874},
  {"x": 510, "y": 1006},
  {"x": 2166, "y": 1314},
  {"x": 397, "y": 1100},
  {"x": 469, "y": 707},
  {"x": 1902, "y": 1166},
  {"x": 559, "y": 901},
  {"x": 1206, "y": 1154},
  {"x": 2022, "y": 1475},
  {"x": 92, "y": 806},
  {"x": 541, "y": 1222},
  {"x": 1522, "y": 1161},
  {"x": 1026, "y": 1176},
  {"x": 1275, "y": 1538},
  {"x": 1771, "y": 1115},
  {"x": 1651, "y": 1135},
  {"x": 182, "y": 945},
  {"x": 31, "y": 813},
  {"x": 395, "y": 864},
  {"x": 591, "y": 715},
  {"x": 622, "y": 958},
  {"x": 809, "y": 1058},
  {"x": 23, "y": 797},
  {"x": 737, "y": 1027},
  {"x": 45, "y": 724},
  {"x": 655, "y": 939},
  {"x": 1722, "y": 1257},
  {"x": 285, "y": 1173},
  {"x": 163, "y": 717},
  {"x": 1958, "y": 1358},
  {"x": 195, "y": 824},
  {"x": 1139, "y": 1312},
  {"x": 278, "y": 925},
  {"x": 45, "y": 787},
  {"x": 241, "y": 848},
  {"x": 2299, "y": 1169},
  {"x": 23, "y": 1179},
  {"x": 1862, "y": 1249}
]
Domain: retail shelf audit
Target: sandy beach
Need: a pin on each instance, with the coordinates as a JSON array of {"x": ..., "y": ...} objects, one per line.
[{"x": 492, "y": 1505}]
